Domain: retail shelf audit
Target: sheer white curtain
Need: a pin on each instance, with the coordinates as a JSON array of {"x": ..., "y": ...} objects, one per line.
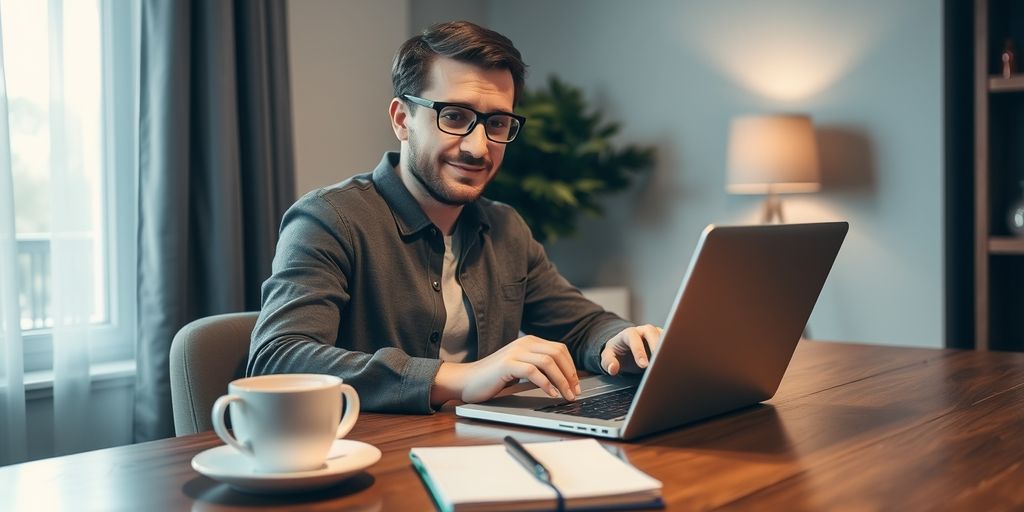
[
  {"x": 76, "y": 216},
  {"x": 12, "y": 383}
]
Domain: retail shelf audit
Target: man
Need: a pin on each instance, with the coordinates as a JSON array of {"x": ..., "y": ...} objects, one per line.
[{"x": 407, "y": 283}]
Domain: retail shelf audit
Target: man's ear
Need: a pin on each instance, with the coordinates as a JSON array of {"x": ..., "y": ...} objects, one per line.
[{"x": 399, "y": 113}]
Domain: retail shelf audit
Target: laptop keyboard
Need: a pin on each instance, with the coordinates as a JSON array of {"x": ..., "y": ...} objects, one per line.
[{"x": 604, "y": 407}]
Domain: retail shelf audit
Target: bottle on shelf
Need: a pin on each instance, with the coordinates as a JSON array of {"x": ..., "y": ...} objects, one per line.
[{"x": 1009, "y": 66}]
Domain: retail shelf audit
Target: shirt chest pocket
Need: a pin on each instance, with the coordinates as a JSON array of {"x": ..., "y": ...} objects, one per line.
[
  {"x": 513, "y": 295},
  {"x": 514, "y": 291}
]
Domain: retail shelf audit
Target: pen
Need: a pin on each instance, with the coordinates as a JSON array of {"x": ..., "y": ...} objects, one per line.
[{"x": 518, "y": 452}]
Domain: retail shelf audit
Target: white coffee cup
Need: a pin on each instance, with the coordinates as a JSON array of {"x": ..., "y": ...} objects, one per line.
[{"x": 286, "y": 422}]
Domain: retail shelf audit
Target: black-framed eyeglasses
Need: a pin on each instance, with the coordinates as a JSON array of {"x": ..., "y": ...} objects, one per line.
[{"x": 455, "y": 119}]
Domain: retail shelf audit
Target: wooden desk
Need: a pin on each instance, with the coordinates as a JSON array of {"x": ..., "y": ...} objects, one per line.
[{"x": 853, "y": 427}]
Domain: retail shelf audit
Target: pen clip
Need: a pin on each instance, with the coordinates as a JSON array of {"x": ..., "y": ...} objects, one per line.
[{"x": 538, "y": 470}]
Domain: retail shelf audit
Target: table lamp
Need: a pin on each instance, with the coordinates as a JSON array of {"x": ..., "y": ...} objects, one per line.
[{"x": 774, "y": 154}]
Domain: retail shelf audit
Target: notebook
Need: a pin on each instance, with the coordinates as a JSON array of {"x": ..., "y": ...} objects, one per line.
[{"x": 488, "y": 478}]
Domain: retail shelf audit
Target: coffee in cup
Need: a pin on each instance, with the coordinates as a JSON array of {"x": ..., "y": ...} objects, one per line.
[{"x": 286, "y": 422}]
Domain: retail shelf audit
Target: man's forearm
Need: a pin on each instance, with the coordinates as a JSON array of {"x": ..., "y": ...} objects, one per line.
[{"x": 447, "y": 384}]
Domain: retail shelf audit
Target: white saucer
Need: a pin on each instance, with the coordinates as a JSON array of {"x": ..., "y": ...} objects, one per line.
[{"x": 228, "y": 465}]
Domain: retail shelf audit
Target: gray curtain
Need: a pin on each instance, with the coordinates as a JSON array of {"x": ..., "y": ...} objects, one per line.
[{"x": 216, "y": 173}]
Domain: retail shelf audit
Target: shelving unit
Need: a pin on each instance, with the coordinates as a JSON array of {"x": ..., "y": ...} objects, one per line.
[
  {"x": 998, "y": 83},
  {"x": 998, "y": 171},
  {"x": 1009, "y": 245}
]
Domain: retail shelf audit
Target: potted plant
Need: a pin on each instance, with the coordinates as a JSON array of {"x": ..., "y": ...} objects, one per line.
[{"x": 563, "y": 162}]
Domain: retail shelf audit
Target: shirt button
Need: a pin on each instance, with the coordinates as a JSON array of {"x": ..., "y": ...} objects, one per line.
[
  {"x": 436, "y": 285},
  {"x": 433, "y": 231},
  {"x": 435, "y": 337}
]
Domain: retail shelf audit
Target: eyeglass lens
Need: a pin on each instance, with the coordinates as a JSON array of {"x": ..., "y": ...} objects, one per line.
[{"x": 458, "y": 121}]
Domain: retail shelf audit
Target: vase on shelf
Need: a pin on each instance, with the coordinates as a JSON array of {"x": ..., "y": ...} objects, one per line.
[
  {"x": 1015, "y": 217},
  {"x": 1009, "y": 66}
]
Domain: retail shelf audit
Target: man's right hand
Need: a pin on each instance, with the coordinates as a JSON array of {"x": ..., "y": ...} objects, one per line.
[{"x": 547, "y": 364}]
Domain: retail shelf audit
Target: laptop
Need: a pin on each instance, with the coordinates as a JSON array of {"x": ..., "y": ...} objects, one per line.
[{"x": 731, "y": 332}]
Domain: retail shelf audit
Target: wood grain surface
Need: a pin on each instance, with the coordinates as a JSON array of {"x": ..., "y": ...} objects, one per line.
[{"x": 853, "y": 427}]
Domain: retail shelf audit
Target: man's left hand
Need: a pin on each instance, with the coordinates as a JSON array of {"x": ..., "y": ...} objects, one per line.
[{"x": 628, "y": 350}]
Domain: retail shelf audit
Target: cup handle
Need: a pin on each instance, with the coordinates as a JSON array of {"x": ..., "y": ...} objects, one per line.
[
  {"x": 351, "y": 413},
  {"x": 219, "y": 408}
]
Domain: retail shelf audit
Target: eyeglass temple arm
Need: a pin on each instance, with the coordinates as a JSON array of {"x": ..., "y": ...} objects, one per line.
[{"x": 419, "y": 101}]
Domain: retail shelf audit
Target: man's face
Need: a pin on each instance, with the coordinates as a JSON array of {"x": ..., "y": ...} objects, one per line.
[{"x": 454, "y": 169}]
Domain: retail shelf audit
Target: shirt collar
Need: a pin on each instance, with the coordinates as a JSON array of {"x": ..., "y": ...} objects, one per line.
[{"x": 408, "y": 213}]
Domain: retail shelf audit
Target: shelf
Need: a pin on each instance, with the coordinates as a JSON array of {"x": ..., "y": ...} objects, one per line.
[
  {"x": 996, "y": 83},
  {"x": 1006, "y": 245}
]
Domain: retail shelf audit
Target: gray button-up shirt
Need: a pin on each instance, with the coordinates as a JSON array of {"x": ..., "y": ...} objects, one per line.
[{"x": 353, "y": 291}]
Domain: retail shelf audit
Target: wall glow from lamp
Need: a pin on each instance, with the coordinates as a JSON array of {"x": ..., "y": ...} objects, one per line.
[
  {"x": 772, "y": 155},
  {"x": 789, "y": 51},
  {"x": 788, "y": 77}
]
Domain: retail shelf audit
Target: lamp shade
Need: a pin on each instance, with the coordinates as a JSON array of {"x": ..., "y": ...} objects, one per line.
[{"x": 776, "y": 153}]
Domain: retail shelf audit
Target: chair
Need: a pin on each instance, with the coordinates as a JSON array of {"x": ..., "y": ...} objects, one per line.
[{"x": 206, "y": 355}]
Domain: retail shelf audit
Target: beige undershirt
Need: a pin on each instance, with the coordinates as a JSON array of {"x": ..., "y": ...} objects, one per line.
[{"x": 458, "y": 343}]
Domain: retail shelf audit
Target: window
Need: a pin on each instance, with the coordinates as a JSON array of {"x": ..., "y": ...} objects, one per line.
[{"x": 72, "y": 105}]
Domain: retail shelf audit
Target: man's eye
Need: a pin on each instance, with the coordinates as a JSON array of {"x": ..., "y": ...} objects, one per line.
[{"x": 452, "y": 116}]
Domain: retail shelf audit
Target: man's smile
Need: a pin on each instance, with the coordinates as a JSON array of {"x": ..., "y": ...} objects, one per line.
[{"x": 465, "y": 168}]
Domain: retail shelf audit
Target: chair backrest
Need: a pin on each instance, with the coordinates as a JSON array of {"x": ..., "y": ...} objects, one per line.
[{"x": 206, "y": 355}]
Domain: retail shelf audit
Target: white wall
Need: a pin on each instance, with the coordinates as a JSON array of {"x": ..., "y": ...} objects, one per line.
[
  {"x": 341, "y": 84},
  {"x": 870, "y": 74}
]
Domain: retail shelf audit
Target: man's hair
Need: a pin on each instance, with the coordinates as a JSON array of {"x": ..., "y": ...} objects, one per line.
[{"x": 459, "y": 40}]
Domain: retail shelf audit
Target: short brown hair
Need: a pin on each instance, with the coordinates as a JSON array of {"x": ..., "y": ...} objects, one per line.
[{"x": 459, "y": 40}]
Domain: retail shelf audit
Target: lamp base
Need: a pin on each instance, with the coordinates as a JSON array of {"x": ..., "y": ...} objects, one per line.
[{"x": 772, "y": 209}]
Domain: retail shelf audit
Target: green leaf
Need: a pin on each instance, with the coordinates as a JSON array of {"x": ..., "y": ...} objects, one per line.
[
  {"x": 589, "y": 185},
  {"x": 562, "y": 192}
]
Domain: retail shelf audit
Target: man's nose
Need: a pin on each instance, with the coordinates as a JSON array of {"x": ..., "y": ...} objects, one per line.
[{"x": 475, "y": 142}]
